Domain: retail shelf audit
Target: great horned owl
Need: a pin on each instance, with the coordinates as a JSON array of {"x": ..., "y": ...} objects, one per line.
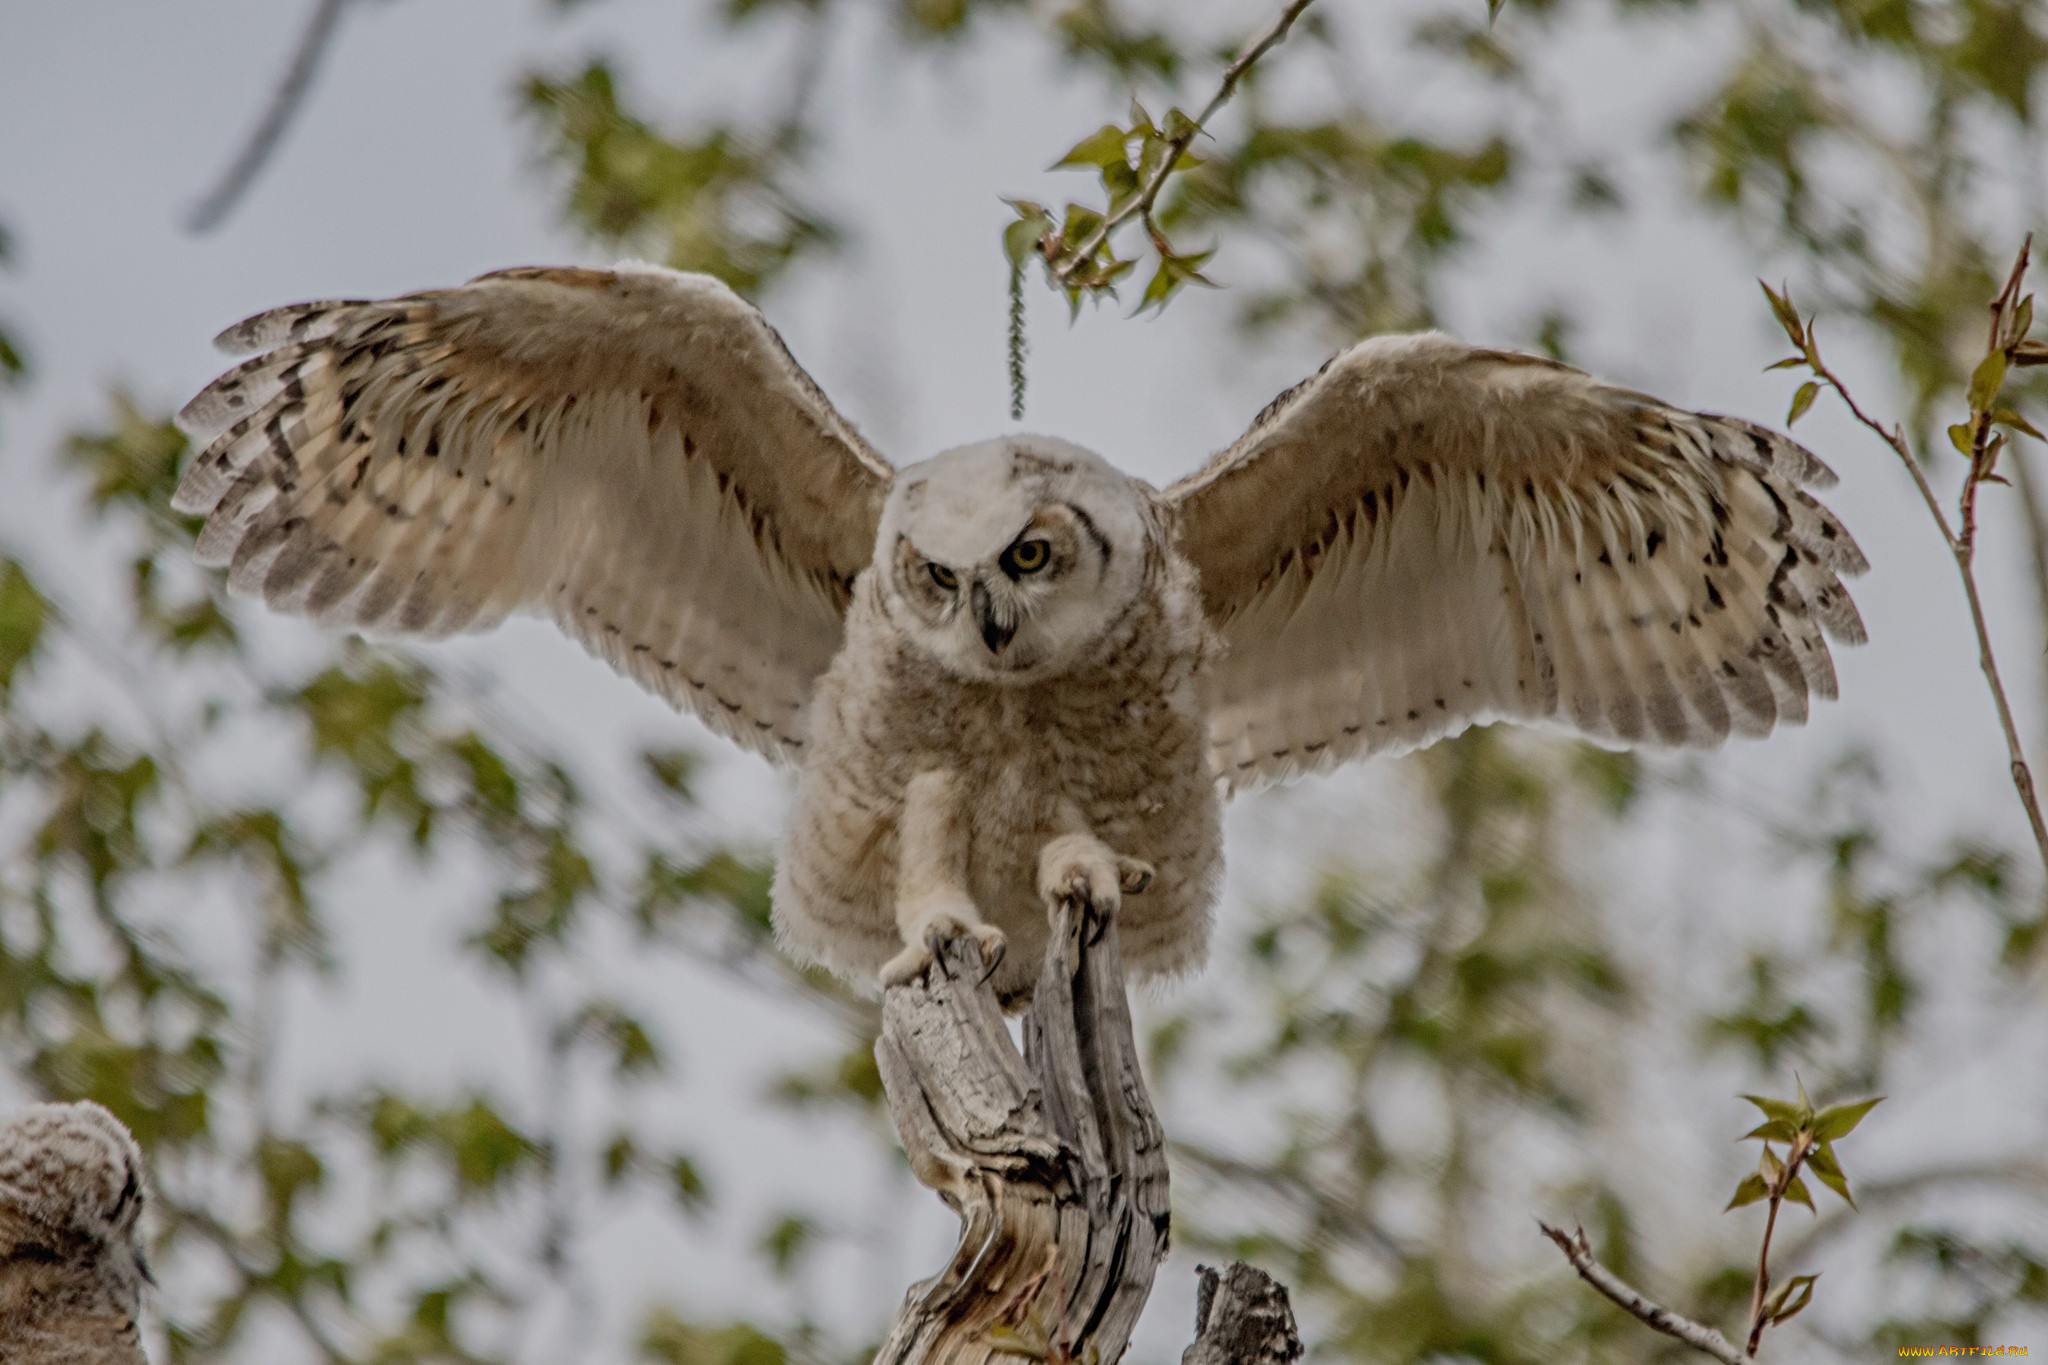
[
  {"x": 71, "y": 1262},
  {"x": 1012, "y": 669}
]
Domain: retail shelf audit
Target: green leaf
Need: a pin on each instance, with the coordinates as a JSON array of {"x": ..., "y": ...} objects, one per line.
[
  {"x": 1771, "y": 1130},
  {"x": 671, "y": 769},
  {"x": 787, "y": 1240},
  {"x": 2010, "y": 417},
  {"x": 1788, "y": 316},
  {"x": 1789, "y": 1298},
  {"x": 618, "y": 1158},
  {"x": 1080, "y": 221},
  {"x": 1802, "y": 400},
  {"x": 1022, "y": 237},
  {"x": 1749, "y": 1191},
  {"x": 688, "y": 1183},
  {"x": 2028, "y": 353},
  {"x": 1960, "y": 436},
  {"x": 1788, "y": 363},
  {"x": 1173, "y": 272},
  {"x": 1795, "y": 1190},
  {"x": 1821, "y": 1161},
  {"x": 1120, "y": 183},
  {"x": 2022, "y": 319},
  {"x": 1841, "y": 1120},
  {"x": 1988, "y": 379},
  {"x": 24, "y": 612},
  {"x": 1106, "y": 146},
  {"x": 1777, "y": 1109},
  {"x": 13, "y": 364}
]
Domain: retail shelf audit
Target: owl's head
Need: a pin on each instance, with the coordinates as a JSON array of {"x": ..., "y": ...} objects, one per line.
[
  {"x": 1007, "y": 559},
  {"x": 71, "y": 1185}
]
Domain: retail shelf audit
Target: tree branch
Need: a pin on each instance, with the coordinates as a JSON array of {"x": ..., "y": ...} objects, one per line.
[
  {"x": 1053, "y": 1159},
  {"x": 285, "y": 102},
  {"x": 1962, "y": 540},
  {"x": 1701, "y": 1338},
  {"x": 1148, "y": 194}
]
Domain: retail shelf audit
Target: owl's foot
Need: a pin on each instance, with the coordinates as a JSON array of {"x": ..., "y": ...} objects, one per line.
[
  {"x": 928, "y": 933},
  {"x": 1082, "y": 867}
]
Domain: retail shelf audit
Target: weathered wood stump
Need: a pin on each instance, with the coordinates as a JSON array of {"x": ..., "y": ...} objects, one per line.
[
  {"x": 1054, "y": 1159},
  {"x": 1056, "y": 1165},
  {"x": 1242, "y": 1317}
]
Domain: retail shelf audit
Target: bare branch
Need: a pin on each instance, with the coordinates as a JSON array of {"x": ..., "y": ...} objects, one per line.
[
  {"x": 1962, "y": 540},
  {"x": 285, "y": 102},
  {"x": 1141, "y": 204},
  {"x": 1701, "y": 1338}
]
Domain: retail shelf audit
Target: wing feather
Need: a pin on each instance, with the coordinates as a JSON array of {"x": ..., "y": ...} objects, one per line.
[
  {"x": 632, "y": 452},
  {"x": 1427, "y": 535}
]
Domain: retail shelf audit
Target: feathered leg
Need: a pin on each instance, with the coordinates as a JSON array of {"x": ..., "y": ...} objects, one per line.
[{"x": 932, "y": 901}]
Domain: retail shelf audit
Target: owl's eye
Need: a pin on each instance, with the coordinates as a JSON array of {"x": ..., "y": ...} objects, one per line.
[
  {"x": 1027, "y": 556},
  {"x": 944, "y": 576}
]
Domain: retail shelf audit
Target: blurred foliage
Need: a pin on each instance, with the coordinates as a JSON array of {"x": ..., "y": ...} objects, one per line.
[
  {"x": 714, "y": 202},
  {"x": 13, "y": 362},
  {"x": 1436, "y": 1042},
  {"x": 119, "y": 828}
]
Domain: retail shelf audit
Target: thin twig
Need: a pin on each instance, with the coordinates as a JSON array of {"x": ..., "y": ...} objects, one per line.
[
  {"x": 1276, "y": 32},
  {"x": 1759, "y": 1314},
  {"x": 1701, "y": 1338},
  {"x": 1962, "y": 545},
  {"x": 285, "y": 101}
]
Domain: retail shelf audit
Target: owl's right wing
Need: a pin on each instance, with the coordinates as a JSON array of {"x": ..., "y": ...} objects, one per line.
[
  {"x": 1427, "y": 535},
  {"x": 633, "y": 452}
]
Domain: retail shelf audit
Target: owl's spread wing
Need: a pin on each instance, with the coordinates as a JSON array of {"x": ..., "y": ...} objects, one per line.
[
  {"x": 632, "y": 452},
  {"x": 1427, "y": 535}
]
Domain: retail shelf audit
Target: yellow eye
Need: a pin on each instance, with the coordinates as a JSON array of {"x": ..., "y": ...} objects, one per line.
[
  {"x": 944, "y": 576},
  {"x": 1027, "y": 556}
]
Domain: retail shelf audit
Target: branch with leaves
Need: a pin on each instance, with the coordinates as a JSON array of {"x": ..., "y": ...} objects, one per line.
[
  {"x": 1808, "y": 1138},
  {"x": 1135, "y": 163},
  {"x": 1980, "y": 440}
]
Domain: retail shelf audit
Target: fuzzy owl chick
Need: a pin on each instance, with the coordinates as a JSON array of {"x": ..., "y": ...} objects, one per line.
[
  {"x": 1011, "y": 670},
  {"x": 71, "y": 1261}
]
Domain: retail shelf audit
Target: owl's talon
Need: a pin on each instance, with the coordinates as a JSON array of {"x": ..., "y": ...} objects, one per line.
[
  {"x": 1080, "y": 867},
  {"x": 931, "y": 936},
  {"x": 907, "y": 966},
  {"x": 993, "y": 957},
  {"x": 1133, "y": 875}
]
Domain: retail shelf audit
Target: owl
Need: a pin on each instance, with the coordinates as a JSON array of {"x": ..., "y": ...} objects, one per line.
[
  {"x": 1012, "y": 672},
  {"x": 71, "y": 1262}
]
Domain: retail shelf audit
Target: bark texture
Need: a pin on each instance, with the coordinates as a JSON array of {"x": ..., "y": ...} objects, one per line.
[
  {"x": 1053, "y": 1159},
  {"x": 1242, "y": 1317}
]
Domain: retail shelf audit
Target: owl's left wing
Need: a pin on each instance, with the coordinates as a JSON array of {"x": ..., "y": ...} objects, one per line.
[
  {"x": 632, "y": 452},
  {"x": 1427, "y": 535}
]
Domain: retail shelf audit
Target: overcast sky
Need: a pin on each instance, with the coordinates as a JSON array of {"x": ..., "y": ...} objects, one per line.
[{"x": 406, "y": 170}]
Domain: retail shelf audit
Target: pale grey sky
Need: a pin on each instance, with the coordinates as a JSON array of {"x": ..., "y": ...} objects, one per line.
[{"x": 406, "y": 170}]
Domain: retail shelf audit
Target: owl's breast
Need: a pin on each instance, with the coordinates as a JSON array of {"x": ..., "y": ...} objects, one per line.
[{"x": 1117, "y": 743}]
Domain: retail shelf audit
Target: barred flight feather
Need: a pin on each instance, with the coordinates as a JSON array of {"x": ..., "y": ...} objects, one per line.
[
  {"x": 632, "y": 452},
  {"x": 1512, "y": 540}
]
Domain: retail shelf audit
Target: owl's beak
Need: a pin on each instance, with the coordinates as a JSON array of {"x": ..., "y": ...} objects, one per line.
[{"x": 995, "y": 633}]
